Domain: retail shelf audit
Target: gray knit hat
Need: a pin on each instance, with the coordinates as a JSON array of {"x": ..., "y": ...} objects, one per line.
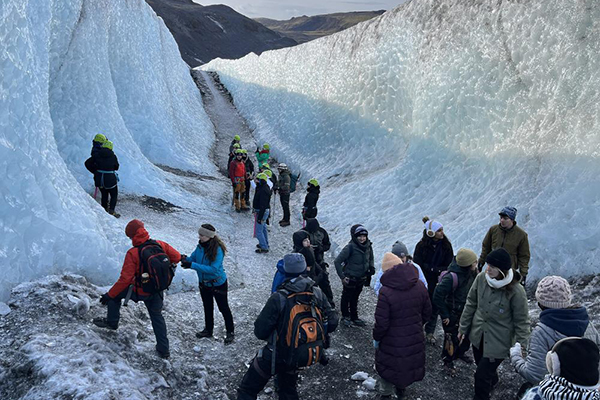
[
  {"x": 553, "y": 292},
  {"x": 294, "y": 264},
  {"x": 399, "y": 249}
]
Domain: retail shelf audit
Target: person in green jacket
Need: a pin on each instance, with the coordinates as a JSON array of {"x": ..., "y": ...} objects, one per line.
[
  {"x": 262, "y": 156},
  {"x": 512, "y": 238},
  {"x": 495, "y": 317}
]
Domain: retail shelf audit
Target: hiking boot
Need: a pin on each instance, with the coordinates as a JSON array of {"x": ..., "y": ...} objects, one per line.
[
  {"x": 346, "y": 321},
  {"x": 260, "y": 250},
  {"x": 383, "y": 397},
  {"x": 103, "y": 323},
  {"x": 466, "y": 359},
  {"x": 450, "y": 369},
  {"x": 359, "y": 322},
  {"x": 430, "y": 339},
  {"x": 258, "y": 246},
  {"x": 229, "y": 338},
  {"x": 163, "y": 355},
  {"x": 237, "y": 210},
  {"x": 284, "y": 223},
  {"x": 400, "y": 393},
  {"x": 114, "y": 214},
  {"x": 204, "y": 333}
]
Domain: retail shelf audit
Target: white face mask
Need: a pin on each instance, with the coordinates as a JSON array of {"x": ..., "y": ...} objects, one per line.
[{"x": 496, "y": 284}]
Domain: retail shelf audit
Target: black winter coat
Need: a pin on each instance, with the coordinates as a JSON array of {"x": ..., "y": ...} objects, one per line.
[
  {"x": 355, "y": 261},
  {"x": 105, "y": 160},
  {"x": 310, "y": 202},
  {"x": 433, "y": 256},
  {"x": 314, "y": 269},
  {"x": 319, "y": 239},
  {"x": 249, "y": 168},
  {"x": 262, "y": 199},
  {"x": 451, "y": 303},
  {"x": 402, "y": 308}
]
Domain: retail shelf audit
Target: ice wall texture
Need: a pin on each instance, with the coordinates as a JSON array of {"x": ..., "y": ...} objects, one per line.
[
  {"x": 68, "y": 71},
  {"x": 449, "y": 109}
]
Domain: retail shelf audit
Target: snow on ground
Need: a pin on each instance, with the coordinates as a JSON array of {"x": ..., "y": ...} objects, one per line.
[
  {"x": 448, "y": 109},
  {"x": 70, "y": 70}
]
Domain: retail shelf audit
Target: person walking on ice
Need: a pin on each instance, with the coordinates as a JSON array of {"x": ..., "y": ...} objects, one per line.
[
  {"x": 261, "y": 204},
  {"x": 237, "y": 174},
  {"x": 262, "y": 155},
  {"x": 105, "y": 166}
]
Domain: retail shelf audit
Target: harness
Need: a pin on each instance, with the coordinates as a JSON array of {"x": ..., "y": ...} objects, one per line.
[{"x": 102, "y": 178}]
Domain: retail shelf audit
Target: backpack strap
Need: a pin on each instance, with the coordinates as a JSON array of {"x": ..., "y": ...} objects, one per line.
[{"x": 454, "y": 281}]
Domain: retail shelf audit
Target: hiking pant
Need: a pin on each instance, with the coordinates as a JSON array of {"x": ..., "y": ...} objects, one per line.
[
  {"x": 114, "y": 193},
  {"x": 154, "y": 304},
  {"x": 239, "y": 192},
  {"x": 218, "y": 293},
  {"x": 261, "y": 231},
  {"x": 247, "y": 192},
  {"x": 325, "y": 286},
  {"x": 432, "y": 281},
  {"x": 285, "y": 205},
  {"x": 259, "y": 373},
  {"x": 349, "y": 302},
  {"x": 452, "y": 350},
  {"x": 486, "y": 375}
]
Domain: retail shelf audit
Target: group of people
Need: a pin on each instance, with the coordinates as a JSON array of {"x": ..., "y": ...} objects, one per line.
[
  {"x": 481, "y": 301},
  {"x": 104, "y": 164}
]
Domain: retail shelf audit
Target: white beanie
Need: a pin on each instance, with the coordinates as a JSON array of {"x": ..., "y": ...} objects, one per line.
[{"x": 433, "y": 226}]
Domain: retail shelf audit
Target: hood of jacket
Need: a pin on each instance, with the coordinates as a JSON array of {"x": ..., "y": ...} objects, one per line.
[
  {"x": 297, "y": 238},
  {"x": 400, "y": 277},
  {"x": 390, "y": 260},
  {"x": 105, "y": 152},
  {"x": 314, "y": 189},
  {"x": 301, "y": 283},
  {"x": 280, "y": 265},
  {"x": 141, "y": 236},
  {"x": 312, "y": 225},
  {"x": 568, "y": 321}
]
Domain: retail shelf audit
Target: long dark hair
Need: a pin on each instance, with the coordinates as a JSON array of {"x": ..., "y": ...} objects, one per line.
[{"x": 213, "y": 244}]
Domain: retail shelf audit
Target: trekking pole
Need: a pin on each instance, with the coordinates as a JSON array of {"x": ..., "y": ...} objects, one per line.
[
  {"x": 274, "y": 353},
  {"x": 129, "y": 291},
  {"x": 95, "y": 192}
]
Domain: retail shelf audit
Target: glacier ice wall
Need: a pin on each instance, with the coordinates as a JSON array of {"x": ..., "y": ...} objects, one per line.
[
  {"x": 448, "y": 109},
  {"x": 70, "y": 70}
]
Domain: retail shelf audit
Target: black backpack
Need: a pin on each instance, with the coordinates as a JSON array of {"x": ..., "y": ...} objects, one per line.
[
  {"x": 301, "y": 335},
  {"x": 156, "y": 264}
]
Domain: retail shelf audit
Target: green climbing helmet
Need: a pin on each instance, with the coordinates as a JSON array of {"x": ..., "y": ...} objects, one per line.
[
  {"x": 237, "y": 146},
  {"x": 237, "y": 138},
  {"x": 314, "y": 182},
  {"x": 266, "y": 166},
  {"x": 108, "y": 144},
  {"x": 268, "y": 173},
  {"x": 239, "y": 152},
  {"x": 100, "y": 138},
  {"x": 244, "y": 151},
  {"x": 266, "y": 146},
  {"x": 262, "y": 176}
]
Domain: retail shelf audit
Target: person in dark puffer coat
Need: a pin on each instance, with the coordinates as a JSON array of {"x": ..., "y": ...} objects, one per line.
[
  {"x": 309, "y": 208},
  {"x": 403, "y": 307},
  {"x": 302, "y": 245},
  {"x": 105, "y": 178}
]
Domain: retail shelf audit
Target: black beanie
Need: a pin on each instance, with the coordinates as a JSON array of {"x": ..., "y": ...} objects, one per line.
[
  {"x": 579, "y": 359},
  {"x": 499, "y": 258}
]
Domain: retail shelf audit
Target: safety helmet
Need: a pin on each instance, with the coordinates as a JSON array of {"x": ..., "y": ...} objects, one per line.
[
  {"x": 266, "y": 166},
  {"x": 244, "y": 151},
  {"x": 239, "y": 152},
  {"x": 237, "y": 138},
  {"x": 100, "y": 138},
  {"x": 266, "y": 146},
  {"x": 108, "y": 144},
  {"x": 314, "y": 182},
  {"x": 282, "y": 166},
  {"x": 262, "y": 176},
  {"x": 268, "y": 173},
  {"x": 237, "y": 146}
]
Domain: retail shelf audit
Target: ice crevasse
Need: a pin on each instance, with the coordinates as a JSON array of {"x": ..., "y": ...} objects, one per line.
[
  {"x": 71, "y": 69},
  {"x": 449, "y": 109}
]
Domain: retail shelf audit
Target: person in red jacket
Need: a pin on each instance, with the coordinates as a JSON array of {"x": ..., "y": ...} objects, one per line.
[
  {"x": 237, "y": 174},
  {"x": 129, "y": 277}
]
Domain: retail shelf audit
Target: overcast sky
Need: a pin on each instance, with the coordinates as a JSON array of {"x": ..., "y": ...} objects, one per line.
[{"x": 286, "y": 9}]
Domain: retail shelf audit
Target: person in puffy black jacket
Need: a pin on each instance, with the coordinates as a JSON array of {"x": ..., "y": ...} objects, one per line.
[
  {"x": 320, "y": 243},
  {"x": 302, "y": 245},
  {"x": 309, "y": 209},
  {"x": 260, "y": 203},
  {"x": 106, "y": 164}
]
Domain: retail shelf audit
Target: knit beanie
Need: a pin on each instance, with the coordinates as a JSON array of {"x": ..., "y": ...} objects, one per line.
[
  {"x": 132, "y": 227},
  {"x": 510, "y": 212},
  {"x": 431, "y": 227},
  {"x": 578, "y": 360},
  {"x": 399, "y": 249},
  {"x": 294, "y": 264},
  {"x": 465, "y": 257},
  {"x": 390, "y": 260},
  {"x": 499, "y": 258},
  {"x": 361, "y": 230},
  {"x": 553, "y": 292}
]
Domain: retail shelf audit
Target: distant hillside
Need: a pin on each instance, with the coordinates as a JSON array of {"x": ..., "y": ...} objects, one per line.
[
  {"x": 303, "y": 29},
  {"x": 207, "y": 32}
]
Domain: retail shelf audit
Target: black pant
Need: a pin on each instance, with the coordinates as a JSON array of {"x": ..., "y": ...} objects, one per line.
[
  {"x": 486, "y": 375},
  {"x": 451, "y": 341},
  {"x": 325, "y": 285},
  {"x": 349, "y": 302},
  {"x": 247, "y": 193},
  {"x": 259, "y": 373},
  {"x": 114, "y": 193},
  {"x": 432, "y": 281},
  {"x": 219, "y": 293},
  {"x": 154, "y": 304},
  {"x": 285, "y": 205}
]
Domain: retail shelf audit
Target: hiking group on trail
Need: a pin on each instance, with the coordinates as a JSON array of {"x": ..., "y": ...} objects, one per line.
[{"x": 481, "y": 300}]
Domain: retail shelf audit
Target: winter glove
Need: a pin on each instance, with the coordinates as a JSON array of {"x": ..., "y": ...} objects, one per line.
[
  {"x": 186, "y": 263},
  {"x": 516, "y": 351},
  {"x": 376, "y": 344},
  {"x": 523, "y": 280},
  {"x": 368, "y": 280},
  {"x": 105, "y": 299}
]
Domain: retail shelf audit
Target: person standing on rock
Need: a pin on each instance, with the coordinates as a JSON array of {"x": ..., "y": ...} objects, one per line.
[
  {"x": 237, "y": 174},
  {"x": 207, "y": 261},
  {"x": 105, "y": 165},
  {"x": 262, "y": 155},
  {"x": 510, "y": 237},
  {"x": 449, "y": 298},
  {"x": 249, "y": 174},
  {"x": 495, "y": 316},
  {"x": 236, "y": 141},
  {"x": 355, "y": 267},
  {"x": 302, "y": 245},
  {"x": 261, "y": 204},
  {"x": 283, "y": 187},
  {"x": 403, "y": 307},
  {"x": 434, "y": 254},
  {"x": 131, "y": 283},
  {"x": 309, "y": 208}
]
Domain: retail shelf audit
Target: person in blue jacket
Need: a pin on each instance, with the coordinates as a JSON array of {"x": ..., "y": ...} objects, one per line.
[{"x": 207, "y": 261}]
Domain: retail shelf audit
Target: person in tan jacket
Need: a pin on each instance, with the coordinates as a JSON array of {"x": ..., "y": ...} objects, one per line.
[{"x": 512, "y": 238}]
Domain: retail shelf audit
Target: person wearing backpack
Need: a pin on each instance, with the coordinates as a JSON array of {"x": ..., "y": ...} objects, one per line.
[
  {"x": 207, "y": 261},
  {"x": 283, "y": 186},
  {"x": 249, "y": 176},
  {"x": 355, "y": 267},
  {"x": 261, "y": 204},
  {"x": 403, "y": 307},
  {"x": 309, "y": 208},
  {"x": 262, "y": 155},
  {"x": 237, "y": 174},
  {"x": 138, "y": 275},
  {"x": 434, "y": 254},
  {"x": 303, "y": 246},
  {"x": 320, "y": 243},
  {"x": 290, "y": 344},
  {"x": 105, "y": 165},
  {"x": 495, "y": 316},
  {"x": 449, "y": 297}
]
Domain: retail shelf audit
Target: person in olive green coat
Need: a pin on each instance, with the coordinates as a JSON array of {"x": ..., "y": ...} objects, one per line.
[
  {"x": 514, "y": 240},
  {"x": 495, "y": 317}
]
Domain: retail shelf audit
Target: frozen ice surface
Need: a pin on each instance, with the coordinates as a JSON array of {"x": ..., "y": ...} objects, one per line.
[
  {"x": 360, "y": 376},
  {"x": 69, "y": 70},
  {"x": 448, "y": 109}
]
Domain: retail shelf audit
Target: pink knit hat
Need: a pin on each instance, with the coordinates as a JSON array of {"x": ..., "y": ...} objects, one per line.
[{"x": 553, "y": 292}]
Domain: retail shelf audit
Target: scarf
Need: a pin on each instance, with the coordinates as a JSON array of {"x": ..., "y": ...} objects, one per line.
[
  {"x": 558, "y": 388},
  {"x": 496, "y": 284}
]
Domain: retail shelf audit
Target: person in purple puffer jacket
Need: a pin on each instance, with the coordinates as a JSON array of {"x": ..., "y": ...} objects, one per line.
[{"x": 403, "y": 307}]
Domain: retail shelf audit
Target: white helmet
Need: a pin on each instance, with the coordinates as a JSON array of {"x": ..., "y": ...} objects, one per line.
[{"x": 282, "y": 166}]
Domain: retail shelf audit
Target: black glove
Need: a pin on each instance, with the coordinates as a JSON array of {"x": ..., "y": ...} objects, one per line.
[
  {"x": 368, "y": 280},
  {"x": 105, "y": 299},
  {"x": 185, "y": 263}
]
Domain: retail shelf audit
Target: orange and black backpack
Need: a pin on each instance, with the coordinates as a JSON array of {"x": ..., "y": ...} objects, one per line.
[{"x": 301, "y": 335}]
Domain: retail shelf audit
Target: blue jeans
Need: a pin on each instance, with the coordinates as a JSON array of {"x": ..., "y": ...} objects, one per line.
[{"x": 261, "y": 232}]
